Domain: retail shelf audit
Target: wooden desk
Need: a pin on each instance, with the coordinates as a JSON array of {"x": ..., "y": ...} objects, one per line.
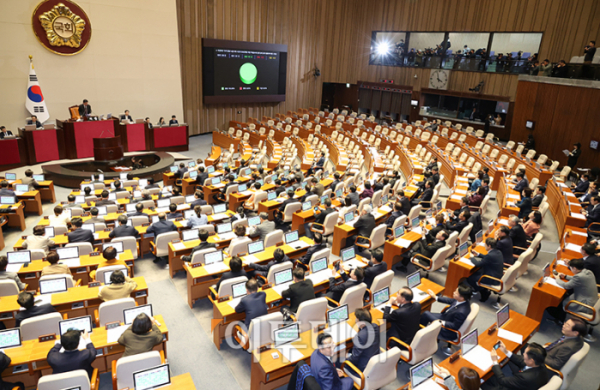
[
  {"x": 342, "y": 232},
  {"x": 2, "y": 234},
  {"x": 46, "y": 190},
  {"x": 181, "y": 382},
  {"x": 214, "y": 156},
  {"x": 565, "y": 207},
  {"x": 16, "y": 218},
  {"x": 392, "y": 253}
]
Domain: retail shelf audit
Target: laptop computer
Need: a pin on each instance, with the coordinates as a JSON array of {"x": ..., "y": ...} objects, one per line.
[
  {"x": 187, "y": 214},
  {"x": 130, "y": 314},
  {"x": 348, "y": 217},
  {"x": 348, "y": 257},
  {"x": 189, "y": 235},
  {"x": 49, "y": 231},
  {"x": 89, "y": 226},
  {"x": 256, "y": 247},
  {"x": 102, "y": 210},
  {"x": 253, "y": 221},
  {"x": 319, "y": 270},
  {"x": 142, "y": 183},
  {"x": 293, "y": 239},
  {"x": 210, "y": 169},
  {"x": 173, "y": 168},
  {"x": 381, "y": 297},
  {"x": 19, "y": 257},
  {"x": 8, "y": 200},
  {"x": 191, "y": 164},
  {"x": 286, "y": 335},
  {"x": 339, "y": 193},
  {"x": 130, "y": 208},
  {"x": 67, "y": 253},
  {"x": 242, "y": 187},
  {"x": 90, "y": 186},
  {"x": 160, "y": 203},
  {"x": 154, "y": 219},
  {"x": 79, "y": 323},
  {"x": 225, "y": 231},
  {"x": 415, "y": 222},
  {"x": 79, "y": 199},
  {"x": 215, "y": 181},
  {"x": 338, "y": 326},
  {"x": 399, "y": 231},
  {"x": 51, "y": 286},
  {"x": 152, "y": 378},
  {"x": 123, "y": 175},
  {"x": 10, "y": 338},
  {"x": 306, "y": 205},
  {"x": 20, "y": 189},
  {"x": 271, "y": 195},
  {"x": 463, "y": 249},
  {"x": 193, "y": 174},
  {"x": 421, "y": 374},
  {"x": 118, "y": 245},
  {"x": 503, "y": 316},
  {"x": 479, "y": 236},
  {"x": 10, "y": 177},
  {"x": 107, "y": 276},
  {"x": 219, "y": 211},
  {"x": 468, "y": 342},
  {"x": 413, "y": 281}
]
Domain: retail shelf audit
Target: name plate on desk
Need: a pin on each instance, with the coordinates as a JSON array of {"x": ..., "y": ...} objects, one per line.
[
  {"x": 111, "y": 325},
  {"x": 92, "y": 254},
  {"x": 196, "y": 265},
  {"x": 47, "y": 337},
  {"x": 94, "y": 284},
  {"x": 223, "y": 299}
]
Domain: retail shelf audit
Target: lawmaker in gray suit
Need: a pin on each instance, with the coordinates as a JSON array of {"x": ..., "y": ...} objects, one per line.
[
  {"x": 561, "y": 350},
  {"x": 264, "y": 228}
]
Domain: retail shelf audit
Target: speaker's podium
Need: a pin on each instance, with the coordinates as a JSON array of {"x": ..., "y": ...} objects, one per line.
[{"x": 108, "y": 149}]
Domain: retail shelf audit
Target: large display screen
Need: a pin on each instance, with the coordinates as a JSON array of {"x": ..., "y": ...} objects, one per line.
[{"x": 243, "y": 72}]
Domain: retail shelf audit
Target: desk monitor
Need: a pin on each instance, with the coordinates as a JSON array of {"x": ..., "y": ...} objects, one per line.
[
  {"x": 286, "y": 334},
  {"x": 10, "y": 338},
  {"x": 130, "y": 207},
  {"x": 490, "y": 226},
  {"x": 224, "y": 228},
  {"x": 39, "y": 178},
  {"x": 261, "y": 182},
  {"x": 463, "y": 249},
  {"x": 21, "y": 188},
  {"x": 323, "y": 199},
  {"x": 49, "y": 231},
  {"x": 89, "y": 226},
  {"x": 242, "y": 187},
  {"x": 10, "y": 176},
  {"x": 193, "y": 174},
  {"x": 253, "y": 221},
  {"x": 273, "y": 178},
  {"x": 213, "y": 257},
  {"x": 348, "y": 254},
  {"x": 154, "y": 219},
  {"x": 429, "y": 213},
  {"x": 190, "y": 199},
  {"x": 65, "y": 253},
  {"x": 8, "y": 200},
  {"x": 337, "y": 315},
  {"x": 219, "y": 208},
  {"x": 173, "y": 168},
  {"x": 79, "y": 323},
  {"x": 191, "y": 164},
  {"x": 479, "y": 236},
  {"x": 79, "y": 199},
  {"x": 163, "y": 203},
  {"x": 318, "y": 265},
  {"x": 190, "y": 235},
  {"x": 107, "y": 276},
  {"x": 19, "y": 257},
  {"x": 137, "y": 194},
  {"x": 130, "y": 314},
  {"x": 291, "y": 237},
  {"x": 384, "y": 200},
  {"x": 339, "y": 193},
  {"x": 399, "y": 231},
  {"x": 503, "y": 315},
  {"x": 210, "y": 169},
  {"x": 247, "y": 171},
  {"x": 413, "y": 280},
  {"x": 142, "y": 183},
  {"x": 421, "y": 372},
  {"x": 348, "y": 217},
  {"x": 439, "y": 206},
  {"x": 50, "y": 286},
  {"x": 306, "y": 205},
  {"x": 101, "y": 210},
  {"x": 255, "y": 247},
  {"x": 187, "y": 214},
  {"x": 152, "y": 378},
  {"x": 272, "y": 195},
  {"x": 468, "y": 342},
  {"x": 238, "y": 290},
  {"x": 215, "y": 180},
  {"x": 415, "y": 222},
  {"x": 382, "y": 296},
  {"x": 283, "y": 277},
  {"x": 118, "y": 245}
]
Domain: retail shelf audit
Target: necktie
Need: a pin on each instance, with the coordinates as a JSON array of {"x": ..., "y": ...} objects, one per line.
[{"x": 554, "y": 344}]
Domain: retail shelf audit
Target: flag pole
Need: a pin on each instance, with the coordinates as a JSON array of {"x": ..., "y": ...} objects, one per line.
[{"x": 31, "y": 61}]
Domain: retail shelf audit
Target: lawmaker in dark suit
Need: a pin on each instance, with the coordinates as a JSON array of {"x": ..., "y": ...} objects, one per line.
[
  {"x": 300, "y": 291},
  {"x": 426, "y": 195},
  {"x": 198, "y": 201},
  {"x": 162, "y": 226},
  {"x": 279, "y": 257},
  {"x": 395, "y": 215},
  {"x": 424, "y": 248},
  {"x": 376, "y": 267},
  {"x": 181, "y": 171},
  {"x": 561, "y": 350},
  {"x": 85, "y": 109},
  {"x": 317, "y": 165},
  {"x": 590, "y": 260},
  {"x": 26, "y": 301},
  {"x": 265, "y": 227},
  {"x": 34, "y": 121},
  {"x": 536, "y": 201},
  {"x": 235, "y": 264},
  {"x": 517, "y": 234},
  {"x": 72, "y": 359},
  {"x": 582, "y": 185},
  {"x": 522, "y": 183},
  {"x": 204, "y": 244},
  {"x": 354, "y": 278},
  {"x": 459, "y": 224},
  {"x": 126, "y": 116},
  {"x": 4, "y": 190},
  {"x": 366, "y": 340},
  {"x": 5, "y": 133},
  {"x": 319, "y": 219},
  {"x": 455, "y": 315},
  {"x": 318, "y": 239},
  {"x": 364, "y": 226},
  {"x": 592, "y": 213},
  {"x": 123, "y": 230},
  {"x": 491, "y": 265},
  {"x": 173, "y": 121},
  {"x": 254, "y": 304},
  {"x": 531, "y": 376},
  {"x": 505, "y": 244},
  {"x": 202, "y": 176},
  {"x": 404, "y": 320},
  {"x": 321, "y": 367},
  {"x": 464, "y": 205},
  {"x": 525, "y": 205},
  {"x": 354, "y": 196},
  {"x": 5, "y": 362},
  {"x": 78, "y": 234},
  {"x": 406, "y": 206}
]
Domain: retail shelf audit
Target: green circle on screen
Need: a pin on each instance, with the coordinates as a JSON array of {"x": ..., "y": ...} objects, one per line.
[{"x": 248, "y": 73}]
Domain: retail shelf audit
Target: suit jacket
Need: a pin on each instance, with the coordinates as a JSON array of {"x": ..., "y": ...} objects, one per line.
[
  {"x": 124, "y": 231},
  {"x": 318, "y": 189},
  {"x": 320, "y": 163},
  {"x": 263, "y": 229},
  {"x": 536, "y": 201},
  {"x": 201, "y": 178},
  {"x": 457, "y": 226},
  {"x": 532, "y": 378},
  {"x": 95, "y": 220},
  {"x": 365, "y": 225},
  {"x": 404, "y": 321},
  {"x": 593, "y": 264},
  {"x": 525, "y": 207},
  {"x": 491, "y": 264},
  {"x": 454, "y": 316},
  {"x": 425, "y": 196},
  {"x": 56, "y": 269},
  {"x": 506, "y": 247},
  {"x": 180, "y": 172},
  {"x": 406, "y": 206},
  {"x": 81, "y": 235},
  {"x": 173, "y": 122},
  {"x": 320, "y": 219},
  {"x": 202, "y": 246},
  {"x": 390, "y": 221},
  {"x": 38, "y": 242},
  {"x": 354, "y": 198},
  {"x": 372, "y": 271},
  {"x": 588, "y": 196},
  {"x": 326, "y": 375},
  {"x": 6, "y": 192},
  {"x": 230, "y": 275},
  {"x": 312, "y": 250},
  {"x": 32, "y": 183},
  {"x": 174, "y": 215},
  {"x": 85, "y": 110},
  {"x": 71, "y": 360},
  {"x": 584, "y": 289},
  {"x": 299, "y": 292},
  {"x": 593, "y": 214},
  {"x": 435, "y": 178},
  {"x": 559, "y": 354},
  {"x": 337, "y": 290},
  {"x": 3, "y": 134},
  {"x": 140, "y": 343},
  {"x": 33, "y": 312},
  {"x": 460, "y": 210},
  {"x": 517, "y": 234},
  {"x": 5, "y": 275},
  {"x": 428, "y": 250},
  {"x": 361, "y": 355},
  {"x": 582, "y": 186},
  {"x": 254, "y": 305},
  {"x": 198, "y": 202},
  {"x": 520, "y": 186},
  {"x": 161, "y": 227}
]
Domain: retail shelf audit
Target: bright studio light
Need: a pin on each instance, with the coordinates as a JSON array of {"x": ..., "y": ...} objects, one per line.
[{"x": 383, "y": 48}]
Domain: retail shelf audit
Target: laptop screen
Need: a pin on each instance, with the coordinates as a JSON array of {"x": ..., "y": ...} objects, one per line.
[
  {"x": 89, "y": 226},
  {"x": 415, "y": 222},
  {"x": 421, "y": 372},
  {"x": 53, "y": 286},
  {"x": 210, "y": 169},
  {"x": 272, "y": 195},
  {"x": 117, "y": 245},
  {"x": 348, "y": 254},
  {"x": 253, "y": 221},
  {"x": 463, "y": 249},
  {"x": 19, "y": 257},
  {"x": 49, "y": 231},
  {"x": 193, "y": 174},
  {"x": 188, "y": 213},
  {"x": 284, "y": 276},
  {"x": 191, "y": 164},
  {"x": 468, "y": 342},
  {"x": 68, "y": 252},
  {"x": 323, "y": 199},
  {"x": 306, "y": 205},
  {"x": 130, "y": 314},
  {"x": 413, "y": 280},
  {"x": 190, "y": 198},
  {"x": 502, "y": 315},
  {"x": 143, "y": 183},
  {"x": 10, "y": 176},
  {"x": 429, "y": 213},
  {"x": 101, "y": 210},
  {"x": 130, "y": 208},
  {"x": 224, "y": 228},
  {"x": 173, "y": 168},
  {"x": 163, "y": 202},
  {"x": 112, "y": 196},
  {"x": 291, "y": 237},
  {"x": 213, "y": 257},
  {"x": 255, "y": 247},
  {"x": 152, "y": 378},
  {"x": 79, "y": 323},
  {"x": 339, "y": 314},
  {"x": 439, "y": 206},
  {"x": 286, "y": 334},
  {"x": 399, "y": 231},
  {"x": 384, "y": 200},
  {"x": 339, "y": 193},
  {"x": 155, "y": 219},
  {"x": 10, "y": 338},
  {"x": 219, "y": 208},
  {"x": 318, "y": 265},
  {"x": 348, "y": 217},
  {"x": 79, "y": 199},
  {"x": 189, "y": 235},
  {"x": 247, "y": 172},
  {"x": 7, "y": 200},
  {"x": 381, "y": 296},
  {"x": 239, "y": 290},
  {"x": 215, "y": 180},
  {"x": 21, "y": 188},
  {"x": 242, "y": 187},
  {"x": 479, "y": 236}
]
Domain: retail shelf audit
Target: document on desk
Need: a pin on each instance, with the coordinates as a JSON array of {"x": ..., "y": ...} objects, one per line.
[
  {"x": 112, "y": 335},
  {"x": 456, "y": 197},
  {"x": 584, "y": 234},
  {"x": 386, "y": 209},
  {"x": 419, "y": 295},
  {"x": 290, "y": 352},
  {"x": 430, "y": 384},
  {"x": 351, "y": 223},
  {"x": 459, "y": 191},
  {"x": 246, "y": 193},
  {"x": 250, "y": 259},
  {"x": 578, "y": 215},
  {"x": 71, "y": 262},
  {"x": 503, "y": 222},
  {"x": 479, "y": 357},
  {"x": 510, "y": 336},
  {"x": 573, "y": 247},
  {"x": 234, "y": 302},
  {"x": 281, "y": 287},
  {"x": 45, "y": 299},
  {"x": 467, "y": 261},
  {"x": 552, "y": 281},
  {"x": 13, "y": 267},
  {"x": 402, "y": 242},
  {"x": 216, "y": 267},
  {"x": 220, "y": 216},
  {"x": 341, "y": 332},
  {"x": 513, "y": 196},
  {"x": 418, "y": 230}
]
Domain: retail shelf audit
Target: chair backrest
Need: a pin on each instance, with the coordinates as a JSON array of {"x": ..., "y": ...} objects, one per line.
[
  {"x": 76, "y": 211},
  {"x": 34, "y": 327},
  {"x": 452, "y": 239},
  {"x": 126, "y": 366},
  {"x": 239, "y": 246},
  {"x": 162, "y": 243},
  {"x": 66, "y": 380},
  {"x": 259, "y": 198},
  {"x": 225, "y": 287},
  {"x": 378, "y": 236},
  {"x": 363, "y": 203},
  {"x": 289, "y": 211},
  {"x": 470, "y": 320},
  {"x": 69, "y": 277},
  {"x": 311, "y": 313},
  {"x": 129, "y": 243},
  {"x": 382, "y": 280},
  {"x": 138, "y": 220},
  {"x": 8, "y": 288},
  {"x": 520, "y": 149},
  {"x": 569, "y": 370},
  {"x": 277, "y": 268},
  {"x": 353, "y": 297},
  {"x": 112, "y": 311},
  {"x": 524, "y": 259},
  {"x": 510, "y": 145},
  {"x": 37, "y": 254},
  {"x": 85, "y": 248},
  {"x": 439, "y": 258},
  {"x": 464, "y": 234},
  {"x": 544, "y": 208},
  {"x": 554, "y": 383},
  {"x": 424, "y": 344},
  {"x": 330, "y": 222},
  {"x": 313, "y": 199},
  {"x": 530, "y": 154},
  {"x": 377, "y": 198},
  {"x": 112, "y": 208},
  {"x": 381, "y": 369},
  {"x": 510, "y": 277},
  {"x": 414, "y": 212},
  {"x": 260, "y": 331},
  {"x": 319, "y": 255},
  {"x": 273, "y": 238},
  {"x": 534, "y": 182},
  {"x": 198, "y": 256}
]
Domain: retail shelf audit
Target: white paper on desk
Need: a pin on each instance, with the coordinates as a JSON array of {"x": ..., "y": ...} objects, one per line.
[
  {"x": 456, "y": 197},
  {"x": 290, "y": 352},
  {"x": 13, "y": 267},
  {"x": 402, "y": 242},
  {"x": 182, "y": 206},
  {"x": 220, "y": 216},
  {"x": 216, "y": 267},
  {"x": 225, "y": 236},
  {"x": 573, "y": 247},
  {"x": 45, "y": 299},
  {"x": 459, "y": 191},
  {"x": 578, "y": 215},
  {"x": 561, "y": 262},
  {"x": 560, "y": 184},
  {"x": 467, "y": 261},
  {"x": 570, "y": 195},
  {"x": 510, "y": 336},
  {"x": 281, "y": 287},
  {"x": 96, "y": 236},
  {"x": 503, "y": 222},
  {"x": 376, "y": 214},
  {"x": 430, "y": 384},
  {"x": 250, "y": 259},
  {"x": 341, "y": 332},
  {"x": 246, "y": 193},
  {"x": 112, "y": 335},
  {"x": 552, "y": 281},
  {"x": 418, "y": 230},
  {"x": 513, "y": 196},
  {"x": 584, "y": 234},
  {"x": 71, "y": 262},
  {"x": 351, "y": 223},
  {"x": 479, "y": 357},
  {"x": 419, "y": 295},
  {"x": 234, "y": 302},
  {"x": 386, "y": 209},
  {"x": 179, "y": 246}
]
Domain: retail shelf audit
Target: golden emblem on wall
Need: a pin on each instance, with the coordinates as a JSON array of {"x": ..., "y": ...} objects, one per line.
[{"x": 63, "y": 27}]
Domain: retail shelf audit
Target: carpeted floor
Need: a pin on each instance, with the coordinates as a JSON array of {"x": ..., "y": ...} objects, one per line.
[{"x": 190, "y": 347}]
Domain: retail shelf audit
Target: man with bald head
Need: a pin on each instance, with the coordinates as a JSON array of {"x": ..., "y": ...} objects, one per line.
[{"x": 162, "y": 226}]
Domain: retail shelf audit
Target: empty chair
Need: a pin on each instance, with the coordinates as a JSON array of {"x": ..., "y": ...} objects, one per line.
[
  {"x": 479, "y": 133},
  {"x": 34, "y": 327},
  {"x": 160, "y": 247},
  {"x": 379, "y": 372},
  {"x": 273, "y": 238},
  {"x": 112, "y": 311},
  {"x": 376, "y": 240},
  {"x": 8, "y": 288},
  {"x": 510, "y": 145},
  {"x": 311, "y": 313},
  {"x": 123, "y": 368},
  {"x": 542, "y": 159},
  {"x": 520, "y": 149},
  {"x": 77, "y": 379},
  {"x": 530, "y": 154},
  {"x": 564, "y": 174}
]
